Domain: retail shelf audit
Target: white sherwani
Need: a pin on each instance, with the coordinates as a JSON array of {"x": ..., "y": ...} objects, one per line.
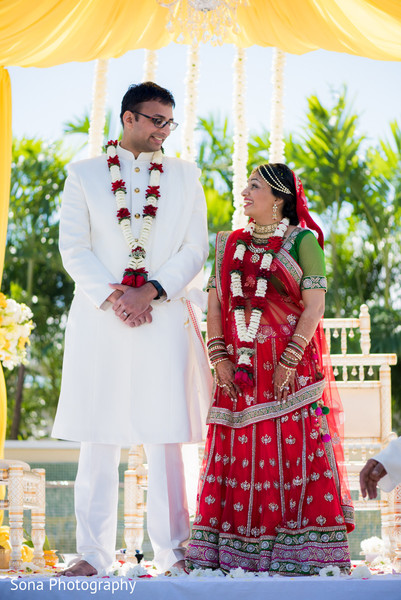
[
  {"x": 390, "y": 458},
  {"x": 122, "y": 385}
]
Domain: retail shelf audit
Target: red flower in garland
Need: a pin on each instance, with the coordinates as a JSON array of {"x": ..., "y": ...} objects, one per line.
[
  {"x": 153, "y": 190},
  {"x": 118, "y": 185},
  {"x": 123, "y": 213},
  {"x": 149, "y": 211},
  {"x": 275, "y": 243},
  {"x": 112, "y": 143},
  {"x": 258, "y": 303},
  {"x": 237, "y": 302},
  {"x": 243, "y": 378},
  {"x": 135, "y": 278},
  {"x": 113, "y": 160},
  {"x": 156, "y": 167}
]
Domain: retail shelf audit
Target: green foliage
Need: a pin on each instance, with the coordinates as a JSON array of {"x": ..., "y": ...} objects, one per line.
[
  {"x": 353, "y": 189},
  {"x": 34, "y": 274},
  {"x": 79, "y": 126},
  {"x": 328, "y": 159}
]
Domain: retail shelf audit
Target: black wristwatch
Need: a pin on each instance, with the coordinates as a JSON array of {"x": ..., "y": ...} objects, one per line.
[{"x": 160, "y": 291}]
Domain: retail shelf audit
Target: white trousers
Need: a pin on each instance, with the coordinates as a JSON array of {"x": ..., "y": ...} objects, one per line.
[{"x": 96, "y": 502}]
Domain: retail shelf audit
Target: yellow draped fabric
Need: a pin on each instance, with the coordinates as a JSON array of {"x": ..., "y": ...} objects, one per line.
[
  {"x": 5, "y": 158},
  {"x": 5, "y": 170},
  {"x": 3, "y": 425},
  {"x": 51, "y": 32}
]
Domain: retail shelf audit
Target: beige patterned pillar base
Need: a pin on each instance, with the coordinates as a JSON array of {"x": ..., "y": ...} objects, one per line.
[
  {"x": 134, "y": 507},
  {"x": 38, "y": 519},
  {"x": 16, "y": 513}
]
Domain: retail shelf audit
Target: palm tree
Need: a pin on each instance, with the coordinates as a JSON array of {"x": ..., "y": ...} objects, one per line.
[
  {"x": 80, "y": 126},
  {"x": 329, "y": 160}
]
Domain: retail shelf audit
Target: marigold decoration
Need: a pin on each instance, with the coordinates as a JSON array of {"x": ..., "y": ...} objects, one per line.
[
  {"x": 26, "y": 551},
  {"x": 136, "y": 274},
  {"x": 246, "y": 334},
  {"x": 15, "y": 327}
]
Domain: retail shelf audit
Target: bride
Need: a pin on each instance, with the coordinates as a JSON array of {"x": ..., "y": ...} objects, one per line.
[{"x": 272, "y": 493}]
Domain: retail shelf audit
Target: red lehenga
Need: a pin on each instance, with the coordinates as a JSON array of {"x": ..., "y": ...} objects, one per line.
[{"x": 272, "y": 495}]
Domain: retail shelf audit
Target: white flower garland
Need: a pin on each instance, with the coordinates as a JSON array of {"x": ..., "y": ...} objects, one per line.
[
  {"x": 136, "y": 246},
  {"x": 150, "y": 66},
  {"x": 98, "y": 113},
  {"x": 276, "y": 151},
  {"x": 191, "y": 97},
  {"x": 240, "y": 154},
  {"x": 248, "y": 333}
]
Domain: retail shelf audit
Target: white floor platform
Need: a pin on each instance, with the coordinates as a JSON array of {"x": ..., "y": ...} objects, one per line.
[{"x": 379, "y": 587}]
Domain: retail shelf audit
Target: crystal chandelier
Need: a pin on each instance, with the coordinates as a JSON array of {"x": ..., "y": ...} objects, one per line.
[{"x": 203, "y": 20}]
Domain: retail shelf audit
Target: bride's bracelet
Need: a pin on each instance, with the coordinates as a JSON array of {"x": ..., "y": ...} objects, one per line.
[
  {"x": 292, "y": 355},
  {"x": 286, "y": 380},
  {"x": 216, "y": 337},
  {"x": 302, "y": 337},
  {"x": 219, "y": 360},
  {"x": 216, "y": 349}
]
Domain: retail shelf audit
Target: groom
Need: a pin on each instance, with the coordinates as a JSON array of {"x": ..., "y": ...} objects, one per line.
[{"x": 135, "y": 370}]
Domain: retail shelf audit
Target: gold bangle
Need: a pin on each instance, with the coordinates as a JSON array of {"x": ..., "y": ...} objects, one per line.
[
  {"x": 301, "y": 336},
  {"x": 216, "y": 337},
  {"x": 216, "y": 362}
]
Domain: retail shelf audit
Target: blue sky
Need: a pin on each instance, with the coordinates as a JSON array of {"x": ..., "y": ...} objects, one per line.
[{"x": 44, "y": 98}]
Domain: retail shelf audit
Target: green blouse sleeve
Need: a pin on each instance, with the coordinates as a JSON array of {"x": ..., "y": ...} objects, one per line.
[{"x": 310, "y": 257}]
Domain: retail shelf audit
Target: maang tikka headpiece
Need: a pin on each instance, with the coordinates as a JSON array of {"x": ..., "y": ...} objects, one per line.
[{"x": 272, "y": 179}]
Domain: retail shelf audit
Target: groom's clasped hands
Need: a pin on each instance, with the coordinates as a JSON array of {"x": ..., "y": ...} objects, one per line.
[{"x": 132, "y": 305}]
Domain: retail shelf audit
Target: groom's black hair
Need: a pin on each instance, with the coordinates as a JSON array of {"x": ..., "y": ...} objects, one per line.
[{"x": 138, "y": 93}]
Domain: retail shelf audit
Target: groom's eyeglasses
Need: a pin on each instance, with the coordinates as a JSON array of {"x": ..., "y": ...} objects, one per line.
[{"x": 158, "y": 122}]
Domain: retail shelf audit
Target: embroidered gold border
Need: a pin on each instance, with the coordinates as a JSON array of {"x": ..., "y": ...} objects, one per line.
[
  {"x": 221, "y": 241},
  {"x": 271, "y": 410}
]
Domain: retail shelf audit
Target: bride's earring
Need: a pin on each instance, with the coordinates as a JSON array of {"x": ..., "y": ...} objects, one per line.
[{"x": 275, "y": 215}]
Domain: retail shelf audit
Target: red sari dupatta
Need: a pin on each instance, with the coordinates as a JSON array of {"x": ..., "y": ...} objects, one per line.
[{"x": 282, "y": 308}]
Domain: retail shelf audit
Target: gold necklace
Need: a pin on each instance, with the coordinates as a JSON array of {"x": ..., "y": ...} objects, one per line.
[
  {"x": 260, "y": 237},
  {"x": 265, "y": 230}
]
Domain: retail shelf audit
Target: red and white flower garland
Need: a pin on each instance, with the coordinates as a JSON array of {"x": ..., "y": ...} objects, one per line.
[
  {"x": 135, "y": 274},
  {"x": 247, "y": 334}
]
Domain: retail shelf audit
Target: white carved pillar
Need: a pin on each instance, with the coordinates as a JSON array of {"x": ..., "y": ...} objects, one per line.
[
  {"x": 385, "y": 402},
  {"x": 396, "y": 533},
  {"x": 16, "y": 512},
  {"x": 38, "y": 519},
  {"x": 135, "y": 479},
  {"x": 364, "y": 326}
]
